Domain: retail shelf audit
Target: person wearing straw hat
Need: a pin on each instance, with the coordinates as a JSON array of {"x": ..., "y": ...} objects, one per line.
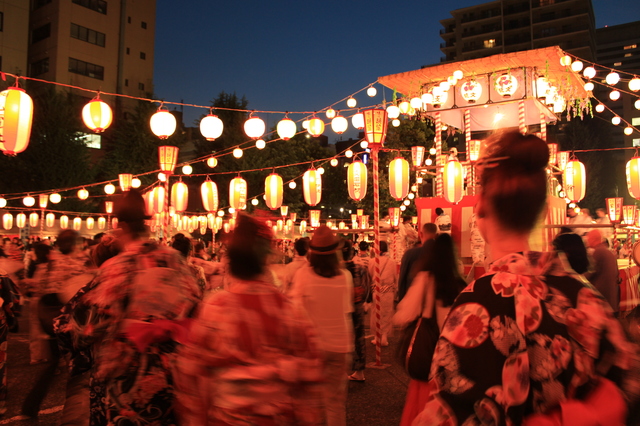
[{"x": 325, "y": 290}]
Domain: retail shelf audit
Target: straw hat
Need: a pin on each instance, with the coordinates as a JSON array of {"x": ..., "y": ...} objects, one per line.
[{"x": 324, "y": 241}]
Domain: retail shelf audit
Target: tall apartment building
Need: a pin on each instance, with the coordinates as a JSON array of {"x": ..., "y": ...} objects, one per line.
[
  {"x": 619, "y": 48},
  {"x": 95, "y": 44},
  {"x": 505, "y": 26},
  {"x": 14, "y": 36}
]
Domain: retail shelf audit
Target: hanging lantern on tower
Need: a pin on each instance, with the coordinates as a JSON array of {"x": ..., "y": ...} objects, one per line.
[
  {"x": 629, "y": 215},
  {"x": 314, "y": 218},
  {"x": 179, "y": 196},
  {"x": 506, "y": 85},
  {"x": 417, "y": 155},
  {"x": 209, "y": 193},
  {"x": 471, "y": 91},
  {"x": 474, "y": 150},
  {"x": 238, "y": 193},
  {"x": 614, "y": 206},
  {"x": 563, "y": 159},
  {"x": 108, "y": 207},
  {"x": 375, "y": 127},
  {"x": 273, "y": 191},
  {"x": 453, "y": 177},
  {"x": 211, "y": 127},
  {"x": 312, "y": 186},
  {"x": 633, "y": 177},
  {"x": 16, "y": 115},
  {"x": 553, "y": 153},
  {"x": 254, "y": 127},
  {"x": 167, "y": 157},
  {"x": 125, "y": 181},
  {"x": 357, "y": 180},
  {"x": 102, "y": 223},
  {"x": 394, "y": 216},
  {"x": 97, "y": 115},
  {"x": 574, "y": 180},
  {"x": 163, "y": 123},
  {"x": 286, "y": 128},
  {"x": 399, "y": 178}
]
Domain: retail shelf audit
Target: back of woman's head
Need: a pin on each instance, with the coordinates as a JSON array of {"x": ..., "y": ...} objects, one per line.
[
  {"x": 41, "y": 251},
  {"x": 573, "y": 247},
  {"x": 249, "y": 247},
  {"x": 347, "y": 250},
  {"x": 108, "y": 247},
  {"x": 182, "y": 244},
  {"x": 67, "y": 240},
  {"x": 514, "y": 180},
  {"x": 443, "y": 264}
]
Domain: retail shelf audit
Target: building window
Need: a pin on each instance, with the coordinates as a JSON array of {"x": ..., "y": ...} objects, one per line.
[
  {"x": 490, "y": 43},
  {"x": 617, "y": 64},
  {"x": 39, "y": 67},
  {"x": 143, "y": 25},
  {"x": 85, "y": 68},
  {"x": 628, "y": 55},
  {"x": 631, "y": 46},
  {"x": 41, "y": 33},
  {"x": 548, "y": 32},
  {"x": 126, "y": 82},
  {"x": 88, "y": 35},
  {"x": 129, "y": 20},
  {"x": 91, "y": 140},
  {"x": 141, "y": 86},
  {"x": 39, "y": 3},
  {"x": 635, "y": 121},
  {"x": 99, "y": 6},
  {"x": 636, "y": 142},
  {"x": 128, "y": 50},
  {"x": 143, "y": 55}
]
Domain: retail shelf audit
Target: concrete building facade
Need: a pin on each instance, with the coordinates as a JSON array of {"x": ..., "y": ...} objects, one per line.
[{"x": 14, "y": 36}]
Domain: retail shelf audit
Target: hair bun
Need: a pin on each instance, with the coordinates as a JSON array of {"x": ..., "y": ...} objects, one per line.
[{"x": 528, "y": 155}]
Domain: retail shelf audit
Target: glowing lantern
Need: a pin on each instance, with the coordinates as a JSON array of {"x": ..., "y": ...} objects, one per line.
[
  {"x": 614, "y": 206},
  {"x": 342, "y": 225},
  {"x": 109, "y": 189},
  {"x": 156, "y": 200},
  {"x": 427, "y": 98},
  {"x": 163, "y": 123},
  {"x": 55, "y": 198},
  {"x": 292, "y": 184},
  {"x": 254, "y": 127},
  {"x": 238, "y": 193},
  {"x": 506, "y": 85},
  {"x": 589, "y": 86},
  {"x": 364, "y": 222},
  {"x": 348, "y": 153},
  {"x": 83, "y": 194},
  {"x": 212, "y": 162},
  {"x": 575, "y": 178},
  {"x": 372, "y": 91},
  {"x": 114, "y": 223},
  {"x": 474, "y": 150},
  {"x": 315, "y": 127},
  {"x": 542, "y": 87},
  {"x": 314, "y": 218},
  {"x": 333, "y": 162},
  {"x": 614, "y": 95},
  {"x": 90, "y": 223},
  {"x": 260, "y": 144},
  {"x": 393, "y": 111},
  {"x": 634, "y": 84},
  {"x": 97, "y": 115},
  {"x": 167, "y": 158},
  {"x": 339, "y": 124},
  {"x": 21, "y": 220},
  {"x": 375, "y": 127},
  {"x": 577, "y": 66},
  {"x": 125, "y": 181},
  {"x": 404, "y": 107},
  {"x": 439, "y": 96},
  {"x": 3, "y": 202},
  {"x": 629, "y": 215},
  {"x": 628, "y": 131},
  {"x": 416, "y": 103},
  {"x": 417, "y": 155},
  {"x": 108, "y": 207},
  {"x": 50, "y": 220},
  {"x": 599, "y": 108},
  {"x": 34, "y": 219},
  {"x": 7, "y": 221},
  {"x": 77, "y": 223},
  {"x": 563, "y": 159},
  {"x": 312, "y": 186},
  {"x": 237, "y": 153},
  {"x": 286, "y": 129},
  {"x": 179, "y": 196},
  {"x": 209, "y": 193},
  {"x": 471, "y": 91},
  {"x": 351, "y": 103},
  {"x": 633, "y": 177},
  {"x": 394, "y": 216},
  {"x": 399, "y": 178},
  {"x": 102, "y": 223},
  {"x": 16, "y": 115},
  {"x": 615, "y": 120},
  {"x": 29, "y": 201},
  {"x": 589, "y": 72},
  {"x": 43, "y": 199},
  {"x": 273, "y": 191},
  {"x": 636, "y": 104},
  {"x": 553, "y": 153},
  {"x": 612, "y": 78},
  {"x": 330, "y": 113},
  {"x": 358, "y": 121},
  {"x": 64, "y": 222},
  {"x": 357, "y": 180},
  {"x": 211, "y": 127},
  {"x": 565, "y": 61},
  {"x": 453, "y": 177}
]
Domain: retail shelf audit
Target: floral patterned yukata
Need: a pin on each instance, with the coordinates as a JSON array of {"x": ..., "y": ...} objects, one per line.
[
  {"x": 520, "y": 340},
  {"x": 143, "y": 283}
]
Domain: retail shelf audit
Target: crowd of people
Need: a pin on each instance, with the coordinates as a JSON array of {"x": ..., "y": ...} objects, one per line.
[{"x": 160, "y": 333}]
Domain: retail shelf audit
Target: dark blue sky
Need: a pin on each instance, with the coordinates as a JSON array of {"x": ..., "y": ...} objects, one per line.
[{"x": 292, "y": 55}]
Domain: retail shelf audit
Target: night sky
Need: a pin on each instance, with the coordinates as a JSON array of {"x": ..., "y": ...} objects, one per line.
[{"x": 292, "y": 55}]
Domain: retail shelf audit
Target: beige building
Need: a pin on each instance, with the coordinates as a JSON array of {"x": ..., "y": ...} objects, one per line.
[
  {"x": 505, "y": 26},
  {"x": 14, "y": 36},
  {"x": 94, "y": 44}
]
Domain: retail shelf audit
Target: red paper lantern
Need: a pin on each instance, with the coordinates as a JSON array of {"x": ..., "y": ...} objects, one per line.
[
  {"x": 34, "y": 219},
  {"x": 21, "y": 220},
  {"x": 357, "y": 180},
  {"x": 97, "y": 115},
  {"x": 179, "y": 196},
  {"x": 399, "y": 178},
  {"x": 125, "y": 181},
  {"x": 574, "y": 180},
  {"x": 7, "y": 221},
  {"x": 209, "y": 193},
  {"x": 453, "y": 178},
  {"x": 312, "y": 186},
  {"x": 16, "y": 113},
  {"x": 168, "y": 156},
  {"x": 633, "y": 177},
  {"x": 394, "y": 216},
  {"x": 238, "y": 193},
  {"x": 375, "y": 126},
  {"x": 273, "y": 191}
]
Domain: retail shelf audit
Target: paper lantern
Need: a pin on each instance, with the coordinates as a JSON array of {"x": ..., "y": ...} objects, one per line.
[
  {"x": 212, "y": 162},
  {"x": 125, "y": 181},
  {"x": 416, "y": 103},
  {"x": 16, "y": 115},
  {"x": 108, "y": 207},
  {"x": 156, "y": 200},
  {"x": 179, "y": 196},
  {"x": 7, "y": 221},
  {"x": 372, "y": 91},
  {"x": 273, "y": 191},
  {"x": 506, "y": 85},
  {"x": 50, "y": 220},
  {"x": 577, "y": 66},
  {"x": 553, "y": 153},
  {"x": 102, "y": 223},
  {"x": 614, "y": 207},
  {"x": 286, "y": 129},
  {"x": 77, "y": 223},
  {"x": 109, "y": 189},
  {"x": 364, "y": 222},
  {"x": 351, "y": 102},
  {"x": 167, "y": 158},
  {"x": 260, "y": 144},
  {"x": 330, "y": 113},
  {"x": 563, "y": 159},
  {"x": 574, "y": 180},
  {"x": 209, "y": 193},
  {"x": 375, "y": 127},
  {"x": 399, "y": 178},
  {"x": 187, "y": 169},
  {"x": 29, "y": 201},
  {"x": 633, "y": 177},
  {"x": 612, "y": 78},
  {"x": 474, "y": 150},
  {"x": 90, "y": 223},
  {"x": 55, "y": 198},
  {"x": 439, "y": 96},
  {"x": 163, "y": 123},
  {"x": 64, "y": 222},
  {"x": 284, "y": 210},
  {"x": 97, "y": 115},
  {"x": 21, "y": 220},
  {"x": 394, "y": 216},
  {"x": 34, "y": 219},
  {"x": 314, "y": 218},
  {"x": 254, "y": 127},
  {"x": 404, "y": 107},
  {"x": 238, "y": 193},
  {"x": 358, "y": 121},
  {"x": 43, "y": 200},
  {"x": 315, "y": 127},
  {"x": 565, "y": 61},
  {"x": 3, "y": 202},
  {"x": 393, "y": 111},
  {"x": 339, "y": 124},
  {"x": 453, "y": 178},
  {"x": 634, "y": 84},
  {"x": 417, "y": 155},
  {"x": 357, "y": 180},
  {"x": 471, "y": 91},
  {"x": 589, "y": 72},
  {"x": 83, "y": 194},
  {"x": 629, "y": 215},
  {"x": 114, "y": 223},
  {"x": 312, "y": 187},
  {"x": 211, "y": 127}
]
